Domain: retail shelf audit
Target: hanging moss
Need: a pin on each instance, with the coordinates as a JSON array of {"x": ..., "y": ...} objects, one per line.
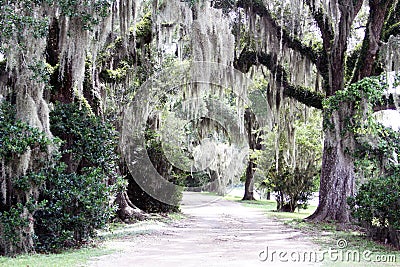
[
  {"x": 16, "y": 137},
  {"x": 300, "y": 93}
]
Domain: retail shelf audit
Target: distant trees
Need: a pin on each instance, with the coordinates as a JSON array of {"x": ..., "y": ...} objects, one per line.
[{"x": 291, "y": 170}]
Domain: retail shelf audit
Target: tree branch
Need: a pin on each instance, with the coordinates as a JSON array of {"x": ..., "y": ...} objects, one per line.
[
  {"x": 371, "y": 43},
  {"x": 385, "y": 103},
  {"x": 300, "y": 93},
  {"x": 324, "y": 24},
  {"x": 392, "y": 24},
  {"x": 281, "y": 33}
]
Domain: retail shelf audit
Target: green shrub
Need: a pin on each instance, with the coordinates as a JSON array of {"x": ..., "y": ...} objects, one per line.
[
  {"x": 88, "y": 141},
  {"x": 20, "y": 199},
  {"x": 377, "y": 202},
  {"x": 79, "y": 189},
  {"x": 12, "y": 226},
  {"x": 77, "y": 205},
  {"x": 377, "y": 207},
  {"x": 293, "y": 187},
  {"x": 17, "y": 136}
]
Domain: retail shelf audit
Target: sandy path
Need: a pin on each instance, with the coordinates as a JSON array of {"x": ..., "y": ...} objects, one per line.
[{"x": 217, "y": 232}]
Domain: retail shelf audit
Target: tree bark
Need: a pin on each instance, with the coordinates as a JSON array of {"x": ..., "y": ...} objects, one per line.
[
  {"x": 126, "y": 210},
  {"x": 249, "y": 184},
  {"x": 337, "y": 175},
  {"x": 254, "y": 143}
]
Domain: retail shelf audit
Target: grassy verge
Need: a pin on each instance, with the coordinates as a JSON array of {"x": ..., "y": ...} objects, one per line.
[
  {"x": 359, "y": 250},
  {"x": 69, "y": 258},
  {"x": 366, "y": 251},
  {"x": 81, "y": 257},
  {"x": 270, "y": 206}
]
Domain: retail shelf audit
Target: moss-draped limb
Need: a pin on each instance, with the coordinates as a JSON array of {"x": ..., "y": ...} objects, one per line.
[
  {"x": 392, "y": 24},
  {"x": 314, "y": 55},
  {"x": 324, "y": 23},
  {"x": 300, "y": 93},
  {"x": 372, "y": 40}
]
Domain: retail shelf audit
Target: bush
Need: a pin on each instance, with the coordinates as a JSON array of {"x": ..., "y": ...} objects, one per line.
[
  {"x": 293, "y": 187},
  {"x": 19, "y": 190},
  {"x": 377, "y": 207},
  {"x": 79, "y": 190},
  {"x": 17, "y": 136},
  {"x": 76, "y": 205}
]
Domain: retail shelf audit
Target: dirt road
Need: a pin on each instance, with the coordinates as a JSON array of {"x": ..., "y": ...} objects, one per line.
[{"x": 216, "y": 232}]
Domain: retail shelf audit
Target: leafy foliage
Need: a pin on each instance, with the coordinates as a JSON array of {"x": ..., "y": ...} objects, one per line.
[
  {"x": 13, "y": 224},
  {"x": 88, "y": 140},
  {"x": 376, "y": 204},
  {"x": 78, "y": 192},
  {"x": 143, "y": 29},
  {"x": 376, "y": 207},
  {"x": 17, "y": 136},
  {"x": 363, "y": 95},
  {"x": 293, "y": 187},
  {"x": 76, "y": 205},
  {"x": 293, "y": 183}
]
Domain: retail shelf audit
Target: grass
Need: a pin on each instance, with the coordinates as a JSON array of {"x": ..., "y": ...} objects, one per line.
[
  {"x": 269, "y": 206},
  {"x": 81, "y": 257},
  {"x": 78, "y": 257},
  {"x": 327, "y": 236}
]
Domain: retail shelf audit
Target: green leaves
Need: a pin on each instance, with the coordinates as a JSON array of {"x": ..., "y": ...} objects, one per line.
[
  {"x": 377, "y": 202},
  {"x": 89, "y": 11},
  {"x": 360, "y": 96},
  {"x": 88, "y": 136},
  {"x": 78, "y": 200},
  {"x": 12, "y": 222},
  {"x": 77, "y": 205},
  {"x": 17, "y": 136}
]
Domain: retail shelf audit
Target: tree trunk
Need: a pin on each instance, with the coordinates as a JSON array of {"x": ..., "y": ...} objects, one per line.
[
  {"x": 337, "y": 173},
  {"x": 126, "y": 210},
  {"x": 32, "y": 109},
  {"x": 337, "y": 176},
  {"x": 249, "y": 184},
  {"x": 254, "y": 143}
]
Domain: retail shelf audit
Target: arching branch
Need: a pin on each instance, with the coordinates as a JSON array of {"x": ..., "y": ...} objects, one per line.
[
  {"x": 300, "y": 93},
  {"x": 371, "y": 43},
  {"x": 258, "y": 7},
  {"x": 323, "y": 22}
]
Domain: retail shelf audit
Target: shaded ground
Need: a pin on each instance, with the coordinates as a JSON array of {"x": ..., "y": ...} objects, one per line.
[{"x": 216, "y": 232}]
